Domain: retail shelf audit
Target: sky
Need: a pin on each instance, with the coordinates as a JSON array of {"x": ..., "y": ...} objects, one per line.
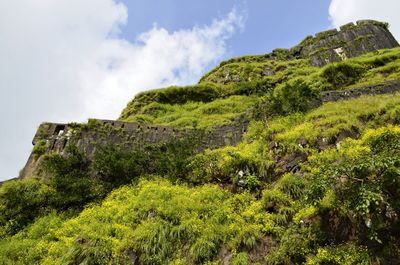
[{"x": 70, "y": 60}]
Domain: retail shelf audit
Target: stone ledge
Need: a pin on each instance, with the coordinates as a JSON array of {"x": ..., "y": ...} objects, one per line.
[{"x": 387, "y": 87}]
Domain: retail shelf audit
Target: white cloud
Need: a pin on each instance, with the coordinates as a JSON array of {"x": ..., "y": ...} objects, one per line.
[
  {"x": 344, "y": 11},
  {"x": 64, "y": 61},
  {"x": 158, "y": 59}
]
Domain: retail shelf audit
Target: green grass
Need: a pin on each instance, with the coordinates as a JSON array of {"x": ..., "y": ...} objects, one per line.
[
  {"x": 195, "y": 114},
  {"x": 158, "y": 221},
  {"x": 332, "y": 118},
  {"x": 373, "y": 67},
  {"x": 230, "y": 89}
]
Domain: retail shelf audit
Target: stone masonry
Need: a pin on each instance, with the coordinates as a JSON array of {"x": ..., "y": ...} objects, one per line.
[
  {"x": 351, "y": 40},
  {"x": 387, "y": 87},
  {"x": 56, "y": 137}
]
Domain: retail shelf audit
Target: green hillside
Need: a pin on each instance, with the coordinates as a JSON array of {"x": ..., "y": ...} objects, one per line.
[
  {"x": 312, "y": 182},
  {"x": 242, "y": 83}
]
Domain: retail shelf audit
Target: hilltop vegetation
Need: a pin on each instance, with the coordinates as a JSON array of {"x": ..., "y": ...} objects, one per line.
[
  {"x": 311, "y": 183},
  {"x": 239, "y": 84}
]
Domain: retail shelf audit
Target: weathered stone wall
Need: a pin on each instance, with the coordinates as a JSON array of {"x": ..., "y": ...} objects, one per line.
[
  {"x": 57, "y": 137},
  {"x": 350, "y": 41},
  {"x": 334, "y": 45},
  {"x": 376, "y": 89}
]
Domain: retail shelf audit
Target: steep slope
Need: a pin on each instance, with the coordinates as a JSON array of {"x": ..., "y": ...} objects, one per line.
[
  {"x": 314, "y": 180},
  {"x": 232, "y": 89}
]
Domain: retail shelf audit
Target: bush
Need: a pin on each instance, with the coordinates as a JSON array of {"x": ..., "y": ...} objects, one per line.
[
  {"x": 116, "y": 166},
  {"x": 71, "y": 179},
  {"x": 290, "y": 97},
  {"x": 89, "y": 251},
  {"x": 296, "y": 243},
  {"x": 21, "y": 201},
  {"x": 342, "y": 74},
  {"x": 340, "y": 255},
  {"x": 226, "y": 165},
  {"x": 254, "y": 87},
  {"x": 291, "y": 184},
  {"x": 365, "y": 182},
  {"x": 172, "y": 95}
]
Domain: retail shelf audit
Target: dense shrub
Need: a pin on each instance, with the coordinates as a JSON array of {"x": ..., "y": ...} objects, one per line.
[
  {"x": 365, "y": 182},
  {"x": 117, "y": 166},
  {"x": 153, "y": 222},
  {"x": 342, "y": 74},
  {"x": 173, "y": 95},
  {"x": 342, "y": 255},
  {"x": 40, "y": 148},
  {"x": 262, "y": 86},
  {"x": 70, "y": 177},
  {"x": 243, "y": 167},
  {"x": 195, "y": 114},
  {"x": 296, "y": 243},
  {"x": 290, "y": 97},
  {"x": 21, "y": 201}
]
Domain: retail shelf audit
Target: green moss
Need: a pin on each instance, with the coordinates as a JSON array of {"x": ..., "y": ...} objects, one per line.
[{"x": 40, "y": 148}]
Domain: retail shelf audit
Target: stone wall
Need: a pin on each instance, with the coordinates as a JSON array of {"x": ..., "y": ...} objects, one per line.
[
  {"x": 350, "y": 41},
  {"x": 376, "y": 89},
  {"x": 56, "y": 137}
]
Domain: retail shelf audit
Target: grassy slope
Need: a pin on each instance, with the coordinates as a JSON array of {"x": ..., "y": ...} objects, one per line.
[
  {"x": 191, "y": 223},
  {"x": 215, "y": 102},
  {"x": 266, "y": 215}
]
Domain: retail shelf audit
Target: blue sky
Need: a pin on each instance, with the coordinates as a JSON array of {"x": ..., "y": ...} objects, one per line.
[
  {"x": 70, "y": 60},
  {"x": 269, "y": 24}
]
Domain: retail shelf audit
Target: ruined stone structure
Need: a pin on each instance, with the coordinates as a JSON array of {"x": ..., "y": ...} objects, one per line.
[
  {"x": 56, "y": 137},
  {"x": 336, "y": 45},
  {"x": 352, "y": 40}
]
